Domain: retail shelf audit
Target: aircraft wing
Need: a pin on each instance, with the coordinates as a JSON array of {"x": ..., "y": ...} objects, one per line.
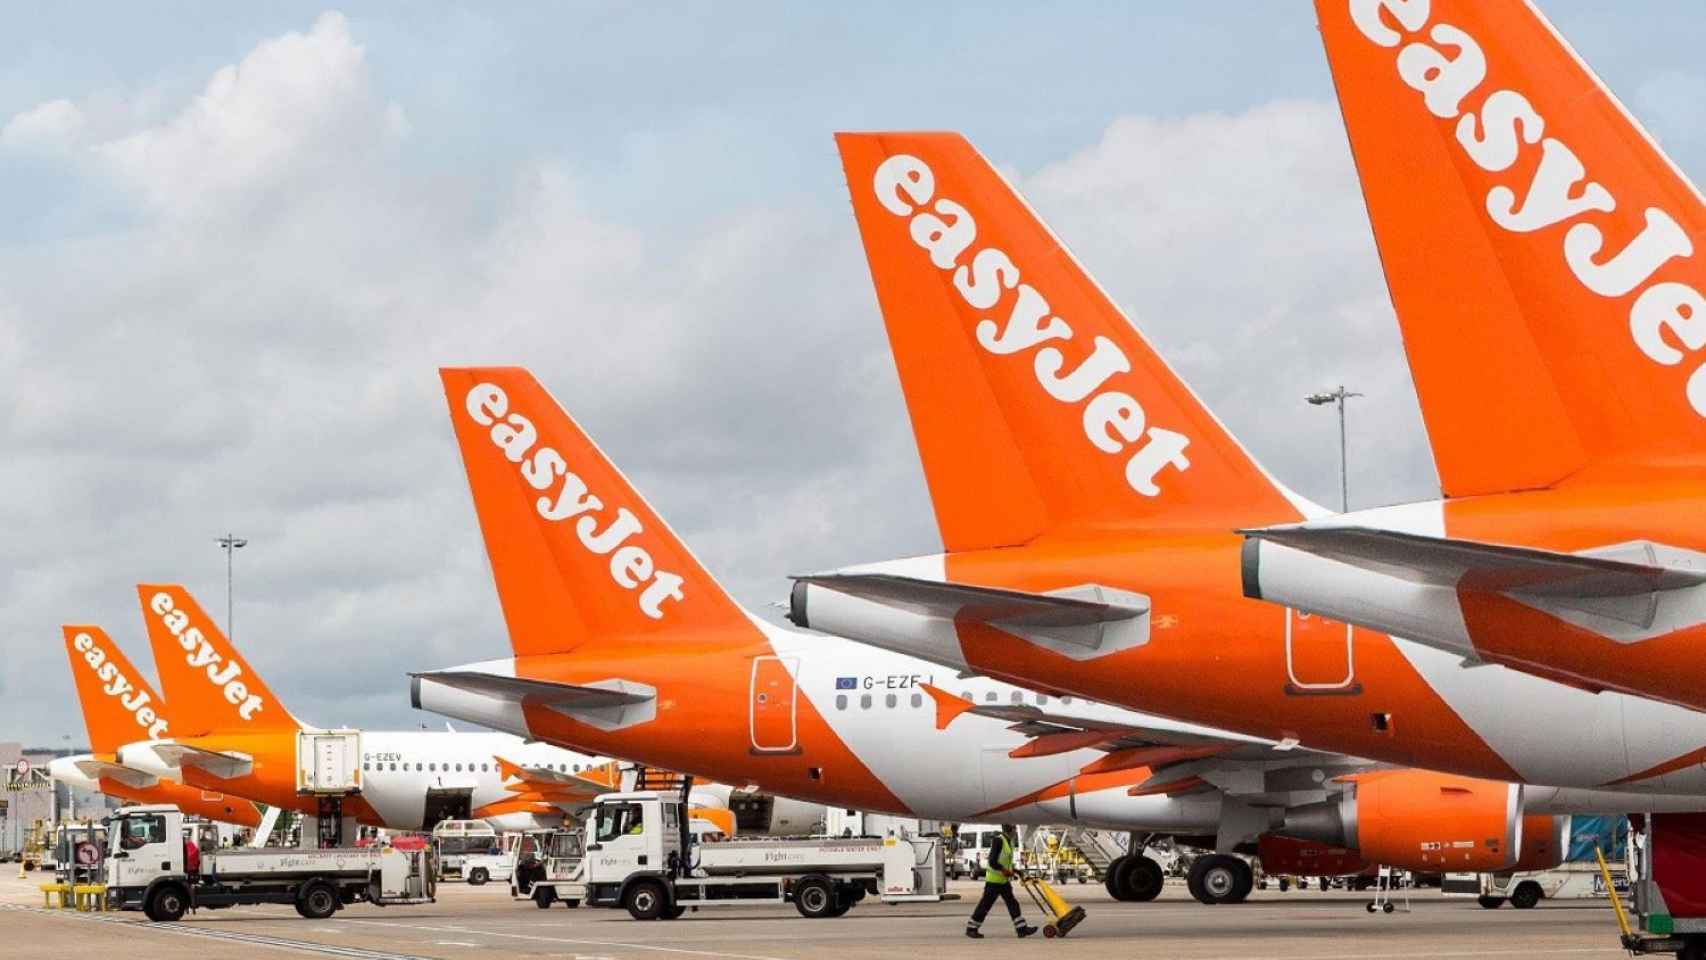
[
  {"x": 561, "y": 785},
  {"x": 1127, "y": 745},
  {"x": 1627, "y": 570},
  {"x": 222, "y": 765},
  {"x": 959, "y": 601}
]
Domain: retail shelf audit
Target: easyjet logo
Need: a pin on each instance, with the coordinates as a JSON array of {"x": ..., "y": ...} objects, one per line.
[
  {"x": 1506, "y": 127},
  {"x": 115, "y": 684},
  {"x": 200, "y": 655},
  {"x": 631, "y": 565},
  {"x": 1114, "y": 422}
]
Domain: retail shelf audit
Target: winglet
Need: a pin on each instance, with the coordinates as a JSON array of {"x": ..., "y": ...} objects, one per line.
[{"x": 948, "y": 706}]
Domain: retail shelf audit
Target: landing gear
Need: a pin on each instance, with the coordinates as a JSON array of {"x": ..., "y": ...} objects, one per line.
[
  {"x": 1134, "y": 878},
  {"x": 1218, "y": 878}
]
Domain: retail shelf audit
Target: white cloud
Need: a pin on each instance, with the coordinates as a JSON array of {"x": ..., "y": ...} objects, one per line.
[{"x": 49, "y": 127}]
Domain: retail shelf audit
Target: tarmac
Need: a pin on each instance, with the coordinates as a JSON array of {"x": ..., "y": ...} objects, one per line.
[{"x": 485, "y": 922}]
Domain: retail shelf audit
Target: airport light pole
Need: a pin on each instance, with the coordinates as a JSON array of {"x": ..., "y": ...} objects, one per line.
[
  {"x": 232, "y": 543},
  {"x": 1338, "y": 397}
]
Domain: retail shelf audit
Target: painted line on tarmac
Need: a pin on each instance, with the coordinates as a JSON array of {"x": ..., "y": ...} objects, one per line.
[
  {"x": 191, "y": 930},
  {"x": 590, "y": 943}
]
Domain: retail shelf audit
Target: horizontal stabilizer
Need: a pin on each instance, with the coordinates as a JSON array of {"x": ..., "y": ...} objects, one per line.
[
  {"x": 605, "y": 704},
  {"x": 223, "y": 765},
  {"x": 117, "y": 772},
  {"x": 1621, "y": 571},
  {"x": 959, "y": 601}
]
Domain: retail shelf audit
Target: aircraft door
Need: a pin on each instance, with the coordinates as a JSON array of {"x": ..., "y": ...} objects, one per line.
[
  {"x": 1320, "y": 656},
  {"x": 447, "y": 804},
  {"x": 772, "y": 705}
]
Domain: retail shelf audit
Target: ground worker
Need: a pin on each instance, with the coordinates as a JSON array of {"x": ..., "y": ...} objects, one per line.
[{"x": 998, "y": 883}]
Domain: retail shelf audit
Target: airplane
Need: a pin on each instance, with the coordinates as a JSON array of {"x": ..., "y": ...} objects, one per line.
[
  {"x": 118, "y": 705},
  {"x": 1540, "y": 252},
  {"x": 1088, "y": 502},
  {"x": 232, "y": 734},
  {"x": 623, "y": 644},
  {"x": 244, "y": 739}
]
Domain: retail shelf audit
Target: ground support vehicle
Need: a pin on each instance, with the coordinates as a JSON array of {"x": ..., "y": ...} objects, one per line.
[
  {"x": 146, "y": 871},
  {"x": 640, "y": 857},
  {"x": 545, "y": 866}
]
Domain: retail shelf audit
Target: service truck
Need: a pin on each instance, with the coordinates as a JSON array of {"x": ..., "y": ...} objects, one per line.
[
  {"x": 640, "y": 856},
  {"x": 146, "y": 870}
]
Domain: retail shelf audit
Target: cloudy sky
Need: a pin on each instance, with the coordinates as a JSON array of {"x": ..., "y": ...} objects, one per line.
[{"x": 239, "y": 240}]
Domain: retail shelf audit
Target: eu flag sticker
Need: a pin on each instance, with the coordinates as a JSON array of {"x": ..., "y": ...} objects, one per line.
[{"x": 846, "y": 683}]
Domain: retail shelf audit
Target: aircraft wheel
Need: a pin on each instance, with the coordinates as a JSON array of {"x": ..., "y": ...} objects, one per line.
[
  {"x": 1246, "y": 881},
  {"x": 1111, "y": 879},
  {"x": 1490, "y": 903},
  {"x": 1216, "y": 878},
  {"x": 1142, "y": 880}
]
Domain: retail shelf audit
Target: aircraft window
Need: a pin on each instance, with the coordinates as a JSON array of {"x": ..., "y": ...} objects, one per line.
[
  {"x": 459, "y": 768},
  {"x": 619, "y": 819},
  {"x": 841, "y": 701},
  {"x": 1018, "y": 696},
  {"x": 433, "y": 767},
  {"x": 485, "y": 767},
  {"x": 394, "y": 767},
  {"x": 1065, "y": 700},
  {"x": 366, "y": 767},
  {"x": 967, "y": 695},
  {"x": 890, "y": 701},
  {"x": 417, "y": 768},
  {"x": 991, "y": 696},
  {"x": 918, "y": 699},
  {"x": 577, "y": 768},
  {"x": 1041, "y": 700},
  {"x": 864, "y": 701}
]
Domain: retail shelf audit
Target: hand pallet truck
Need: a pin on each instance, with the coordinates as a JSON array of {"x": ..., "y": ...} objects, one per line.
[{"x": 1062, "y": 915}]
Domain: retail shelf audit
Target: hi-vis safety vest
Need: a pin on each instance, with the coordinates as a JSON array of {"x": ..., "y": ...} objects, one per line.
[{"x": 1000, "y": 861}]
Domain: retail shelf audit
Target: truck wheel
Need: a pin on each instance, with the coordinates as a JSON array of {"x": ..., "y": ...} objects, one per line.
[
  {"x": 317, "y": 901},
  {"x": 543, "y": 897},
  {"x": 167, "y": 904},
  {"x": 478, "y": 876},
  {"x": 1490, "y": 903},
  {"x": 646, "y": 900},
  {"x": 1526, "y": 895},
  {"x": 1142, "y": 880},
  {"x": 673, "y": 913},
  {"x": 814, "y": 897}
]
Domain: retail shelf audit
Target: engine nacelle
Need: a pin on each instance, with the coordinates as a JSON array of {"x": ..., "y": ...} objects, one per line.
[
  {"x": 1419, "y": 820},
  {"x": 1545, "y": 842},
  {"x": 1307, "y": 858},
  {"x": 760, "y": 814}
]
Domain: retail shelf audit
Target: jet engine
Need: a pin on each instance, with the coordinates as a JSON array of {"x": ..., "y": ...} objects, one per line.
[
  {"x": 761, "y": 814},
  {"x": 1422, "y": 821}
]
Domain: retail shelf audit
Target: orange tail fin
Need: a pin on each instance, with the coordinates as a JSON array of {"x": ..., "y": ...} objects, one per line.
[
  {"x": 1538, "y": 245},
  {"x": 211, "y": 686},
  {"x": 119, "y": 706},
  {"x": 1035, "y": 403},
  {"x": 580, "y": 559}
]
